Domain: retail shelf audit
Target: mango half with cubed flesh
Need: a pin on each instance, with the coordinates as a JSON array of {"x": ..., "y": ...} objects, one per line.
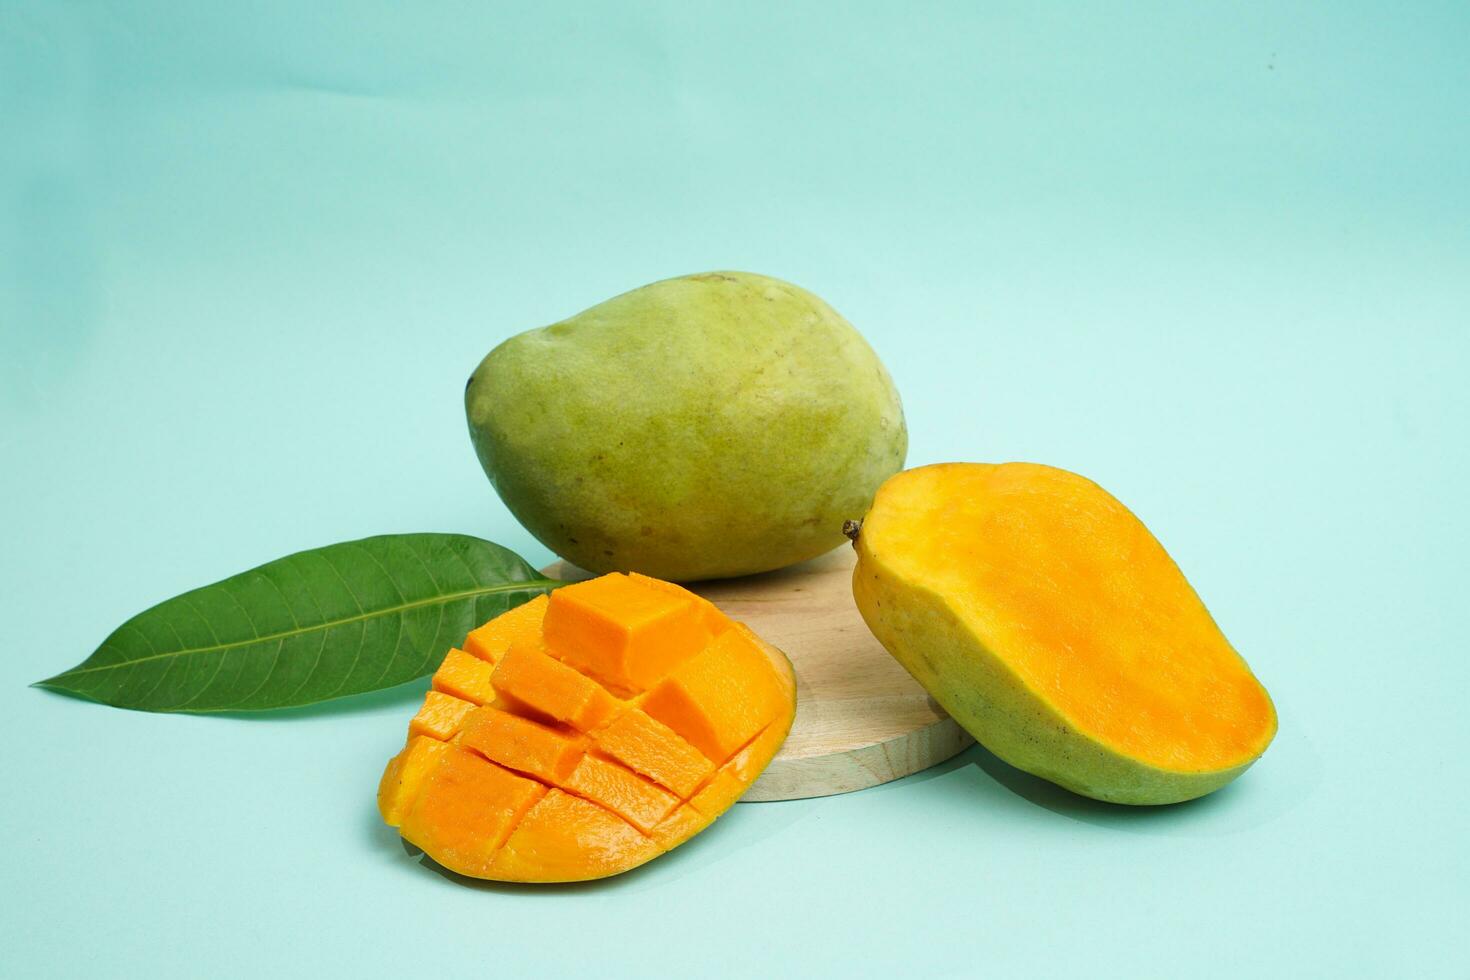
[
  {"x": 582, "y": 734},
  {"x": 701, "y": 427},
  {"x": 1054, "y": 627}
]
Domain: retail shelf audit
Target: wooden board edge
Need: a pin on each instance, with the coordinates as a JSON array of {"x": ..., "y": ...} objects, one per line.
[{"x": 873, "y": 765}]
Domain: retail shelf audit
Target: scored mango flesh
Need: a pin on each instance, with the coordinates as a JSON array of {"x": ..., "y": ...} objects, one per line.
[{"x": 586, "y": 732}]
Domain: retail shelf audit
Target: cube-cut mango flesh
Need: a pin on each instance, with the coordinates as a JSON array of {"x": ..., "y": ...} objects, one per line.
[
  {"x": 580, "y": 735},
  {"x": 709, "y": 614},
  {"x": 440, "y": 716},
  {"x": 567, "y": 838},
  {"x": 536, "y": 680},
  {"x": 721, "y": 698},
  {"x": 521, "y": 624},
  {"x": 522, "y": 744},
  {"x": 465, "y": 677},
  {"x": 622, "y": 632},
  {"x": 404, "y": 777},
  {"x": 466, "y": 808},
  {"x": 655, "y": 750},
  {"x": 627, "y": 794}
]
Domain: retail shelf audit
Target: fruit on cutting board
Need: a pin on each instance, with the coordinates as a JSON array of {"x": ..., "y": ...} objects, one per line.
[
  {"x": 701, "y": 427},
  {"x": 1048, "y": 621},
  {"x": 586, "y": 732}
]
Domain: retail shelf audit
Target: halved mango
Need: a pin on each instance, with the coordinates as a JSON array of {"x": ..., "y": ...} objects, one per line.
[
  {"x": 524, "y": 766},
  {"x": 1051, "y": 624}
]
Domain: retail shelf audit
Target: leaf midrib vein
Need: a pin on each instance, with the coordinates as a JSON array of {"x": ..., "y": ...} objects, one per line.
[{"x": 301, "y": 631}]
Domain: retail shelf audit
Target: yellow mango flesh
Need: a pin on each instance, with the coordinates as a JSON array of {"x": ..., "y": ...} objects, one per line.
[
  {"x": 587, "y": 734},
  {"x": 520, "y": 625},
  {"x": 1053, "y": 626},
  {"x": 720, "y": 699},
  {"x": 440, "y": 717}
]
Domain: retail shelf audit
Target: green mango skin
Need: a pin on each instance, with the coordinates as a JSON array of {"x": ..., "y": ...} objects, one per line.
[{"x": 701, "y": 427}]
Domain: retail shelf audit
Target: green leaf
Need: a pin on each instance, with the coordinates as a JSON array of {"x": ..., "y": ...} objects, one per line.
[{"x": 320, "y": 624}]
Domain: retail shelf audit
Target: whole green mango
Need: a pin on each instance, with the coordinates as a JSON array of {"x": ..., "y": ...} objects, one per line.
[{"x": 701, "y": 427}]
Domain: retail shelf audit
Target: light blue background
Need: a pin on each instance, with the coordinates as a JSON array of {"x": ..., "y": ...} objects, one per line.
[{"x": 1216, "y": 257}]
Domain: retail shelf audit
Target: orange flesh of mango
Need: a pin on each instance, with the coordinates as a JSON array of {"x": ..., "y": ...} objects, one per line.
[
  {"x": 522, "y": 744},
  {"x": 440, "y": 716},
  {"x": 655, "y": 750},
  {"x": 720, "y": 698},
  {"x": 466, "y": 809},
  {"x": 710, "y": 616},
  {"x": 521, "y": 624},
  {"x": 567, "y": 838},
  {"x": 625, "y": 793},
  {"x": 464, "y": 677},
  {"x": 541, "y": 683},
  {"x": 1090, "y": 610},
  {"x": 509, "y": 790},
  {"x": 734, "y": 776},
  {"x": 405, "y": 775},
  {"x": 624, "y": 634}
]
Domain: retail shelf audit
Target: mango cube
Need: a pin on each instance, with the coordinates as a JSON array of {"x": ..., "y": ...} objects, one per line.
[
  {"x": 522, "y": 744},
  {"x": 440, "y": 716},
  {"x": 404, "y": 777},
  {"x": 466, "y": 810},
  {"x": 625, "y": 793},
  {"x": 541, "y": 683},
  {"x": 464, "y": 677},
  {"x": 722, "y": 698},
  {"x": 625, "y": 634},
  {"x": 520, "y": 625},
  {"x": 655, "y": 750}
]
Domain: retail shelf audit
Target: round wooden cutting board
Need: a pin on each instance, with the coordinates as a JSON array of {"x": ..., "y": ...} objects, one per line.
[{"x": 861, "y": 719}]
